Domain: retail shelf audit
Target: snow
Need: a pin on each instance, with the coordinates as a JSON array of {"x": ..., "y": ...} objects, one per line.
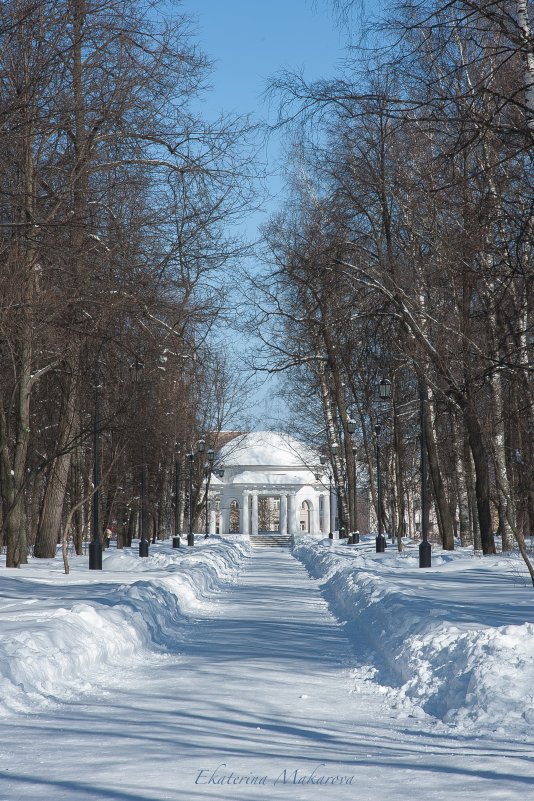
[
  {"x": 259, "y": 478},
  {"x": 438, "y": 639},
  {"x": 266, "y": 449},
  {"x": 48, "y": 645},
  {"x": 224, "y": 672}
]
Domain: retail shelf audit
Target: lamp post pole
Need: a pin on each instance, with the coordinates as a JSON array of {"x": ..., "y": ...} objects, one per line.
[
  {"x": 384, "y": 393},
  {"x": 191, "y": 536},
  {"x": 380, "y": 539},
  {"x": 353, "y": 534},
  {"x": 177, "y": 510},
  {"x": 143, "y": 542},
  {"x": 425, "y": 550},
  {"x": 95, "y": 546},
  {"x": 211, "y": 458}
]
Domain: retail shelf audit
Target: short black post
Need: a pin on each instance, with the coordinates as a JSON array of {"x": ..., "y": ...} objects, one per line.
[{"x": 143, "y": 548}]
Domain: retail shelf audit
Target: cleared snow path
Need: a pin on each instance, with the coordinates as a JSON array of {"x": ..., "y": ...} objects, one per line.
[{"x": 257, "y": 704}]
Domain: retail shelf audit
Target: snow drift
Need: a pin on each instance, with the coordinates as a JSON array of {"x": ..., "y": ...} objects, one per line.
[
  {"x": 51, "y": 652},
  {"x": 425, "y": 636}
]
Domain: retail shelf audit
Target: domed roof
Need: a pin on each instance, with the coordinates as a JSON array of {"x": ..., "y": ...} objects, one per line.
[{"x": 266, "y": 449}]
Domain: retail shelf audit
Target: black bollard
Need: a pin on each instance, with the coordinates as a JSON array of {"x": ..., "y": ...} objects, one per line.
[
  {"x": 380, "y": 543},
  {"x": 425, "y": 554},
  {"x": 95, "y": 555},
  {"x": 143, "y": 548}
]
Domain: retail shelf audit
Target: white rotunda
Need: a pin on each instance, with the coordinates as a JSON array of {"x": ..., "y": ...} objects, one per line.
[{"x": 271, "y": 483}]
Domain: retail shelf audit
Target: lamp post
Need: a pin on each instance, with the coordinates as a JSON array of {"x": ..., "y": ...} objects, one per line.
[
  {"x": 191, "y": 536},
  {"x": 384, "y": 393},
  {"x": 177, "y": 510},
  {"x": 380, "y": 539},
  {"x": 209, "y": 467},
  {"x": 143, "y": 542},
  {"x": 425, "y": 550},
  {"x": 95, "y": 546},
  {"x": 354, "y": 535},
  {"x": 339, "y": 508}
]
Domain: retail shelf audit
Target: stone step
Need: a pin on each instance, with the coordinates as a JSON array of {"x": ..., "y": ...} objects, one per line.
[{"x": 270, "y": 541}]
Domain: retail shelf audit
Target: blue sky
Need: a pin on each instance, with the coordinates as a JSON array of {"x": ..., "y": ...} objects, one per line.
[{"x": 249, "y": 41}]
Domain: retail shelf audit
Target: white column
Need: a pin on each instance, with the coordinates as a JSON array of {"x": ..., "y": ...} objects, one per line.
[
  {"x": 325, "y": 521},
  {"x": 254, "y": 530},
  {"x": 283, "y": 514},
  {"x": 213, "y": 519},
  {"x": 225, "y": 518},
  {"x": 315, "y": 525},
  {"x": 245, "y": 513},
  {"x": 291, "y": 515}
]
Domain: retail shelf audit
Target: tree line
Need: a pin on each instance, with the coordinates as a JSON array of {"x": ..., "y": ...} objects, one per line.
[
  {"x": 116, "y": 202},
  {"x": 405, "y": 253}
]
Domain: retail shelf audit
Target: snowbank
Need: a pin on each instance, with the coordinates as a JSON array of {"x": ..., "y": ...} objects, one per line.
[
  {"x": 455, "y": 641},
  {"x": 434, "y": 637},
  {"x": 52, "y": 650}
]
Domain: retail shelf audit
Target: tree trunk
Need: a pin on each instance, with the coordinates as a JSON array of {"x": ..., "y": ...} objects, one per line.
[
  {"x": 78, "y": 484},
  {"x": 504, "y": 494},
  {"x": 16, "y": 534},
  {"x": 462, "y": 492},
  {"x": 49, "y": 531},
  {"x": 482, "y": 483},
  {"x": 440, "y": 499}
]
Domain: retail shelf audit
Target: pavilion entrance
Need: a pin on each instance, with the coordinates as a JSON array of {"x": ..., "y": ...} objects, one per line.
[
  {"x": 268, "y": 514},
  {"x": 270, "y": 484}
]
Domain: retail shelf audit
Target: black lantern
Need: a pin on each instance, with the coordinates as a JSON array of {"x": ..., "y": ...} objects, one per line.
[{"x": 384, "y": 389}]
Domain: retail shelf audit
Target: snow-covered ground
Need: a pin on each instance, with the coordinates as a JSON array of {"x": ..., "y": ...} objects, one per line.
[
  {"x": 219, "y": 672},
  {"x": 62, "y": 634},
  {"x": 455, "y": 641}
]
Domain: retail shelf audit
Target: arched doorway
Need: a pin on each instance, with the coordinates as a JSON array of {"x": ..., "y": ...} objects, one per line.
[
  {"x": 234, "y": 517},
  {"x": 305, "y": 517},
  {"x": 268, "y": 513}
]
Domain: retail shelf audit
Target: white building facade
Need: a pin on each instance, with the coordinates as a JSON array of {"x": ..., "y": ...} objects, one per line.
[{"x": 271, "y": 482}]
